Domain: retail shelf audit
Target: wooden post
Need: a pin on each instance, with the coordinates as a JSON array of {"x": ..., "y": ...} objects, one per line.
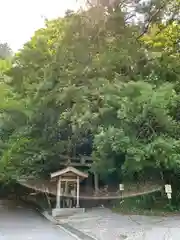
[
  {"x": 96, "y": 182},
  {"x": 66, "y": 188},
  {"x": 58, "y": 196},
  {"x": 77, "y": 203}
]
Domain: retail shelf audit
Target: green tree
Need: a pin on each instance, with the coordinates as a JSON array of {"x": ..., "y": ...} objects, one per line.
[
  {"x": 96, "y": 77},
  {"x": 144, "y": 131}
]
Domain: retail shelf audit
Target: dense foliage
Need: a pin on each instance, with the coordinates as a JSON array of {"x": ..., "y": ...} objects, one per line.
[{"x": 102, "y": 82}]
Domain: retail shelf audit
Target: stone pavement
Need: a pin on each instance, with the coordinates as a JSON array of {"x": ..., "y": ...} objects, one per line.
[{"x": 102, "y": 224}]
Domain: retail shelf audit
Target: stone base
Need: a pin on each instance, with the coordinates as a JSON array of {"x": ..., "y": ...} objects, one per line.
[{"x": 60, "y": 212}]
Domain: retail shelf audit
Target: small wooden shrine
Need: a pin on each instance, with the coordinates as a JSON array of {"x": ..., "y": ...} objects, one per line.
[{"x": 68, "y": 183}]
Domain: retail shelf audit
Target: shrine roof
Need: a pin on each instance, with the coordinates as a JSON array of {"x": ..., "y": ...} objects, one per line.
[{"x": 69, "y": 170}]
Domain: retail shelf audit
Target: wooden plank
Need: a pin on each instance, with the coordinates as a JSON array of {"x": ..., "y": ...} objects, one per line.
[{"x": 68, "y": 179}]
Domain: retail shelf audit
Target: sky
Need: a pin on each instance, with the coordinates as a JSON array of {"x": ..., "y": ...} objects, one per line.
[{"x": 20, "y": 18}]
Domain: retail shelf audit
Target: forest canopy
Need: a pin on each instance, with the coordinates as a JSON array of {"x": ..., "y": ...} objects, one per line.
[{"x": 102, "y": 82}]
